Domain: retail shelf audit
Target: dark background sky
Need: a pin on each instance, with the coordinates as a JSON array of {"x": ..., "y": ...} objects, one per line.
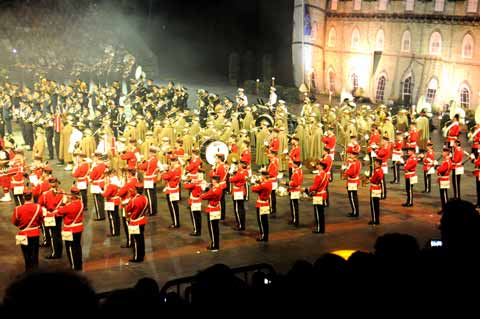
[{"x": 199, "y": 35}]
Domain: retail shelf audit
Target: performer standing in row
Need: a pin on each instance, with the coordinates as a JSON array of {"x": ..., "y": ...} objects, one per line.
[
  {"x": 443, "y": 172},
  {"x": 214, "y": 211},
  {"x": 319, "y": 194},
  {"x": 457, "y": 168},
  {"x": 172, "y": 190},
  {"x": 97, "y": 176},
  {"x": 194, "y": 185},
  {"x": 294, "y": 188},
  {"x": 428, "y": 167},
  {"x": 353, "y": 180},
  {"x": 81, "y": 176},
  {"x": 239, "y": 192},
  {"x": 376, "y": 192},
  {"x": 28, "y": 218},
  {"x": 410, "y": 176},
  {"x": 72, "y": 214},
  {"x": 150, "y": 179},
  {"x": 272, "y": 169},
  {"x": 135, "y": 210},
  {"x": 397, "y": 157},
  {"x": 264, "y": 189}
]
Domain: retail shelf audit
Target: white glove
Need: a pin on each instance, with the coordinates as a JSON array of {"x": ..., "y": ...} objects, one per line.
[
  {"x": 472, "y": 156},
  {"x": 285, "y": 151},
  {"x": 366, "y": 136},
  {"x": 435, "y": 162}
]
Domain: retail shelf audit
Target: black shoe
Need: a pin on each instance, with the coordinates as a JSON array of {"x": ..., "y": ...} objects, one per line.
[
  {"x": 44, "y": 244},
  {"x": 351, "y": 215},
  {"x": 407, "y": 205},
  {"x": 53, "y": 257},
  {"x": 398, "y": 182},
  {"x": 290, "y": 222},
  {"x": 317, "y": 232},
  {"x": 135, "y": 260},
  {"x": 99, "y": 219},
  {"x": 194, "y": 234},
  {"x": 126, "y": 246},
  {"x": 174, "y": 226},
  {"x": 371, "y": 223},
  {"x": 212, "y": 249},
  {"x": 393, "y": 182},
  {"x": 424, "y": 191},
  {"x": 273, "y": 215},
  {"x": 260, "y": 239}
]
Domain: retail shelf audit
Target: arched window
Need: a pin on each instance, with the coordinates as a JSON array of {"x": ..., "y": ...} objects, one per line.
[
  {"x": 354, "y": 79},
  {"x": 407, "y": 89},
  {"x": 379, "y": 42},
  {"x": 331, "y": 80},
  {"x": 432, "y": 90},
  {"x": 382, "y": 5},
  {"x": 406, "y": 41},
  {"x": 467, "y": 46},
  {"x": 334, "y": 5},
  {"x": 410, "y": 4},
  {"x": 472, "y": 6},
  {"x": 355, "y": 39},
  {"x": 439, "y": 5},
  {"x": 357, "y": 4},
  {"x": 380, "y": 95},
  {"x": 332, "y": 37},
  {"x": 465, "y": 96},
  {"x": 435, "y": 43}
]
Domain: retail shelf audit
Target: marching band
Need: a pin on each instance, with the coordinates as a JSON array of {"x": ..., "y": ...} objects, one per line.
[{"x": 123, "y": 153}]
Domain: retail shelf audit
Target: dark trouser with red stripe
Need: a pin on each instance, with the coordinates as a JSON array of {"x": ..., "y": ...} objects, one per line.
[
  {"x": 294, "y": 211},
  {"x": 239, "y": 209},
  {"x": 174, "y": 212},
  {"x": 409, "y": 190},
  {"x": 263, "y": 225},
  {"x": 196, "y": 221},
  {"x": 375, "y": 209},
  {"x": 222, "y": 204},
  {"x": 353, "y": 199},
  {"x": 99, "y": 206},
  {"x": 83, "y": 193},
  {"x": 456, "y": 184},
  {"x": 114, "y": 221},
  {"x": 396, "y": 173},
  {"x": 55, "y": 235},
  {"x": 18, "y": 200},
  {"x": 214, "y": 232},
  {"x": 30, "y": 253},
  {"x": 138, "y": 244},
  {"x": 74, "y": 251},
  {"x": 128, "y": 239},
  {"x": 152, "y": 199},
  {"x": 319, "y": 212},
  {"x": 384, "y": 187},
  {"x": 273, "y": 203},
  {"x": 443, "y": 196}
]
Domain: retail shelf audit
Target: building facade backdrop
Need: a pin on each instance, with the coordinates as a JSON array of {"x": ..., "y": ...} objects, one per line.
[{"x": 402, "y": 51}]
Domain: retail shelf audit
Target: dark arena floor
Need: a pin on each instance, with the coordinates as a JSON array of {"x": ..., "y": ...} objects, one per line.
[{"x": 173, "y": 253}]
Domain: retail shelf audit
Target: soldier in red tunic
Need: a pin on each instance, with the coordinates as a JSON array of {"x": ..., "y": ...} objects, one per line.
[
  {"x": 410, "y": 176},
  {"x": 72, "y": 214},
  {"x": 319, "y": 194},
  {"x": 264, "y": 189},
  {"x": 172, "y": 190},
  {"x": 150, "y": 167},
  {"x": 428, "y": 167},
  {"x": 443, "y": 172},
  {"x": 239, "y": 192},
  {"x": 214, "y": 211},
  {"x": 97, "y": 176},
  {"x": 352, "y": 173},
  {"x": 194, "y": 185},
  {"x": 376, "y": 192},
  {"x": 81, "y": 176},
  {"x": 137, "y": 220},
  {"x": 28, "y": 218},
  {"x": 294, "y": 188}
]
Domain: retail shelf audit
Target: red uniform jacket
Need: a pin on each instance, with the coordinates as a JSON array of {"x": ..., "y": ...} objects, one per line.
[
  {"x": 476, "y": 138},
  {"x": 97, "y": 175},
  {"x": 72, "y": 216},
  {"x": 412, "y": 138},
  {"x": 327, "y": 159},
  {"x": 353, "y": 147},
  {"x": 353, "y": 172},
  {"x": 239, "y": 180},
  {"x": 274, "y": 145},
  {"x": 131, "y": 159},
  {"x": 150, "y": 168},
  {"x": 374, "y": 139},
  {"x": 195, "y": 192},
  {"x": 294, "y": 156},
  {"x": 136, "y": 209},
  {"x": 110, "y": 194},
  {"x": 81, "y": 173},
  {"x": 221, "y": 171},
  {"x": 17, "y": 181},
  {"x": 453, "y": 132},
  {"x": 194, "y": 165},
  {"x": 213, "y": 196},
  {"x": 51, "y": 200},
  {"x": 410, "y": 167},
  {"x": 264, "y": 190},
  {"x": 443, "y": 171},
  {"x": 296, "y": 180},
  {"x": 320, "y": 183},
  {"x": 41, "y": 188},
  {"x": 128, "y": 190},
  {"x": 273, "y": 169},
  {"x": 457, "y": 157},
  {"x": 22, "y": 215},
  {"x": 428, "y": 160},
  {"x": 173, "y": 180},
  {"x": 233, "y": 148},
  {"x": 329, "y": 142},
  {"x": 246, "y": 156},
  {"x": 376, "y": 179},
  {"x": 476, "y": 171}
]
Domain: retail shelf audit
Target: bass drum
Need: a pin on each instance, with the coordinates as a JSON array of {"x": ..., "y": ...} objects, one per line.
[
  {"x": 265, "y": 118},
  {"x": 210, "y": 148}
]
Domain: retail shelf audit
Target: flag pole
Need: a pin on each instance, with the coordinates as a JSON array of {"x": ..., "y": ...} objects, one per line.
[{"x": 303, "y": 41}]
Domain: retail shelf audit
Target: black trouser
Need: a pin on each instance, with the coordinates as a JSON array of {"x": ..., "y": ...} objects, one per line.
[
  {"x": 29, "y": 134},
  {"x": 214, "y": 232},
  {"x": 57, "y": 145},
  {"x": 84, "y": 195},
  {"x": 138, "y": 244},
  {"x": 294, "y": 211},
  {"x": 375, "y": 209},
  {"x": 55, "y": 236},
  {"x": 30, "y": 253},
  {"x": 239, "y": 209},
  {"x": 74, "y": 251},
  {"x": 152, "y": 199},
  {"x": 174, "y": 211},
  {"x": 128, "y": 239},
  {"x": 8, "y": 126},
  {"x": 114, "y": 221},
  {"x": 396, "y": 172},
  {"x": 222, "y": 204},
  {"x": 22, "y": 129},
  {"x": 370, "y": 165},
  {"x": 443, "y": 196},
  {"x": 196, "y": 221},
  {"x": 475, "y": 152},
  {"x": 477, "y": 182},
  {"x": 456, "y": 184},
  {"x": 427, "y": 182},
  {"x": 353, "y": 199},
  {"x": 49, "y": 137},
  {"x": 383, "y": 184},
  {"x": 319, "y": 212},
  {"x": 327, "y": 201},
  {"x": 273, "y": 203},
  {"x": 18, "y": 200},
  {"x": 290, "y": 171},
  {"x": 99, "y": 202},
  {"x": 263, "y": 225},
  {"x": 409, "y": 190}
]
